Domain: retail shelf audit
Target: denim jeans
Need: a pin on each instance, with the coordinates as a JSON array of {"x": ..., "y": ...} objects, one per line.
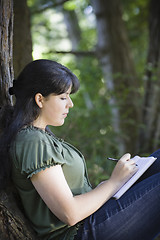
[{"x": 134, "y": 216}]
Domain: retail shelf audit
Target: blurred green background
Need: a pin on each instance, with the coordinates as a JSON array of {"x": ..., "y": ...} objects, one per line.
[{"x": 113, "y": 48}]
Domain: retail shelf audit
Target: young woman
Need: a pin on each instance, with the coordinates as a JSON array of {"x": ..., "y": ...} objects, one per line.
[{"x": 51, "y": 176}]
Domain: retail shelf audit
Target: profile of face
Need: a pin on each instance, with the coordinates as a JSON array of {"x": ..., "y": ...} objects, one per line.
[{"x": 54, "y": 109}]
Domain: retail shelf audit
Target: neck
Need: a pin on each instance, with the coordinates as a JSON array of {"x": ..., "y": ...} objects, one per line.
[{"x": 37, "y": 123}]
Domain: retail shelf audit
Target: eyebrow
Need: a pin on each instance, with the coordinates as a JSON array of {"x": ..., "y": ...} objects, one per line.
[{"x": 68, "y": 92}]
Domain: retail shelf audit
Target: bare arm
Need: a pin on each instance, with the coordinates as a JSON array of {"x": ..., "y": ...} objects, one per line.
[{"x": 72, "y": 209}]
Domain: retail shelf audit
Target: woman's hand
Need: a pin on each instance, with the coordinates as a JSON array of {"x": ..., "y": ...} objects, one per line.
[
  {"x": 55, "y": 192},
  {"x": 123, "y": 170}
]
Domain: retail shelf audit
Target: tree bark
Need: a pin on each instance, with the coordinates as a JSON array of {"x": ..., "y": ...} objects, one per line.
[
  {"x": 119, "y": 73},
  {"x": 22, "y": 41},
  {"x": 6, "y": 43},
  {"x": 13, "y": 224},
  {"x": 150, "y": 133}
]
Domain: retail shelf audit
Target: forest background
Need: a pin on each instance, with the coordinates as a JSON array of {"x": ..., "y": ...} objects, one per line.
[{"x": 113, "y": 48}]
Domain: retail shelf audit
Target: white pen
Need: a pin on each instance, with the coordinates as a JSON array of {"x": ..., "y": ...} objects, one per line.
[{"x": 115, "y": 159}]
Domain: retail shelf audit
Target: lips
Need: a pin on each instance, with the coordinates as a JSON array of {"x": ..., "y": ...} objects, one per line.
[{"x": 65, "y": 114}]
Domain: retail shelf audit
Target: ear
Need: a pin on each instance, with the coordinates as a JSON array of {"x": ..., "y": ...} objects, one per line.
[{"x": 39, "y": 100}]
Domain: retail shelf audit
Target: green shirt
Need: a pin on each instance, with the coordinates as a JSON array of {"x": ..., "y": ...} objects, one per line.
[{"x": 32, "y": 151}]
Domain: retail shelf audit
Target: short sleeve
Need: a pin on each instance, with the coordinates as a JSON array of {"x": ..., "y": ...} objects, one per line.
[{"x": 38, "y": 152}]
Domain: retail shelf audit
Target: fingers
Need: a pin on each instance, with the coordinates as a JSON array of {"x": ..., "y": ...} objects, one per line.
[
  {"x": 128, "y": 163},
  {"x": 124, "y": 169},
  {"x": 125, "y": 157}
]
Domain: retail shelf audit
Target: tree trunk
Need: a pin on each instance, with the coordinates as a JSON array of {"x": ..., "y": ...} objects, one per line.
[
  {"x": 119, "y": 72},
  {"x": 74, "y": 34},
  {"x": 13, "y": 225},
  {"x": 6, "y": 39},
  {"x": 150, "y": 133},
  {"x": 73, "y": 28},
  {"x": 22, "y": 41}
]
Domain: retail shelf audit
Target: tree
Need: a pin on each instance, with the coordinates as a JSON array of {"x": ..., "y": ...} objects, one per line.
[
  {"x": 22, "y": 41},
  {"x": 6, "y": 48},
  {"x": 74, "y": 33},
  {"x": 150, "y": 132},
  {"x": 13, "y": 224},
  {"x": 118, "y": 70}
]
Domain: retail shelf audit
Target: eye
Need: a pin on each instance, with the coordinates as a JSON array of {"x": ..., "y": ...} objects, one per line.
[{"x": 63, "y": 98}]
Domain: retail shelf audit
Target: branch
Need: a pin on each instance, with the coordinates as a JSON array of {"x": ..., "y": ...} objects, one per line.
[
  {"x": 77, "y": 53},
  {"x": 48, "y": 5}
]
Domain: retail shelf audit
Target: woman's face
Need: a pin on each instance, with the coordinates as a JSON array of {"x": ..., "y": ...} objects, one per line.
[{"x": 54, "y": 109}]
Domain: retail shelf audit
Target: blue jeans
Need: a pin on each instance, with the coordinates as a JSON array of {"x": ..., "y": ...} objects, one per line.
[{"x": 135, "y": 216}]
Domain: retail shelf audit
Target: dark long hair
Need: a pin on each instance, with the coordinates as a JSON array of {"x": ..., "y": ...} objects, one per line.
[{"x": 40, "y": 76}]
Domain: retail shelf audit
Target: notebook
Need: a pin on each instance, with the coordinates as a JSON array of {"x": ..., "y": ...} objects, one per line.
[{"x": 143, "y": 164}]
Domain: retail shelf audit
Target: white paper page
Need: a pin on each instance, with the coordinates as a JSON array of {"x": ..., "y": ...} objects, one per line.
[{"x": 143, "y": 164}]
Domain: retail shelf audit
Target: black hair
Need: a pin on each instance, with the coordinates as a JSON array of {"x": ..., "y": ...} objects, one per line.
[{"x": 40, "y": 76}]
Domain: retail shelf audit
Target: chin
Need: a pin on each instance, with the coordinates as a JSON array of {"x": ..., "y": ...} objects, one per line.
[{"x": 58, "y": 124}]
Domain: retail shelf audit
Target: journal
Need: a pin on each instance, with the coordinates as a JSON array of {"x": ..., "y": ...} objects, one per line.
[{"x": 143, "y": 164}]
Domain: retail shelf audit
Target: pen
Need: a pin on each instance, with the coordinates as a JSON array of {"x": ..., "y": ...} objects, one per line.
[{"x": 115, "y": 159}]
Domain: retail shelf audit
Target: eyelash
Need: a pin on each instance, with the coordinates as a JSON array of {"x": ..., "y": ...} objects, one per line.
[{"x": 63, "y": 98}]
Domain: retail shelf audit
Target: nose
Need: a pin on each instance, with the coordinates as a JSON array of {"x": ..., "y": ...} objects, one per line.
[{"x": 70, "y": 103}]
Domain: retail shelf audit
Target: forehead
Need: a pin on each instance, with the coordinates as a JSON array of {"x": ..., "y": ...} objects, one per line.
[{"x": 69, "y": 89}]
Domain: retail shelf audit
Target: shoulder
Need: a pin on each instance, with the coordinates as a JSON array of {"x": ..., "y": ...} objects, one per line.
[
  {"x": 30, "y": 133},
  {"x": 35, "y": 139},
  {"x": 35, "y": 149},
  {"x": 31, "y": 139},
  {"x": 33, "y": 135}
]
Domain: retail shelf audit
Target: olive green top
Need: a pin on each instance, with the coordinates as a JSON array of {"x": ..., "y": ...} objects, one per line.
[{"x": 32, "y": 151}]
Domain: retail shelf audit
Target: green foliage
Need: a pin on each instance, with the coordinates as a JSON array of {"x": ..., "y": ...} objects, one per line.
[
  {"x": 88, "y": 126},
  {"x": 135, "y": 15},
  {"x": 70, "y": 5}
]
